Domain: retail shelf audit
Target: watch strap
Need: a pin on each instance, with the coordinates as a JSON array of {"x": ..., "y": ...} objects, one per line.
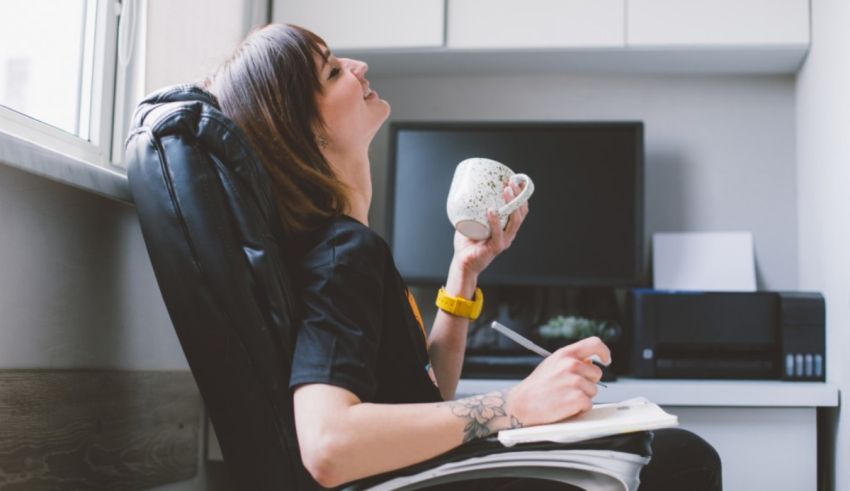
[{"x": 459, "y": 306}]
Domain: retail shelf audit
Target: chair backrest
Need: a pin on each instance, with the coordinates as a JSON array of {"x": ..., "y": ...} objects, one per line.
[{"x": 212, "y": 231}]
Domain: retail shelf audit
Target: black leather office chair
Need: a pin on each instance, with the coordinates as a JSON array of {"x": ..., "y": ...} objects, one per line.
[{"x": 211, "y": 228}]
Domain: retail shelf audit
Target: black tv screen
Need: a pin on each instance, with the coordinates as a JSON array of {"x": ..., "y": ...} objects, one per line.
[{"x": 585, "y": 225}]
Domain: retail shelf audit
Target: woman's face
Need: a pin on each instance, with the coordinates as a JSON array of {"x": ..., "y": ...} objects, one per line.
[{"x": 351, "y": 111}]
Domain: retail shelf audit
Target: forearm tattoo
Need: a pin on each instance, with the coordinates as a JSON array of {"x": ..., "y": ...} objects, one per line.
[{"x": 485, "y": 414}]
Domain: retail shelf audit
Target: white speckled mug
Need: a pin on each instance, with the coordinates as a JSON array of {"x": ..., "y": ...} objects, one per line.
[{"x": 478, "y": 185}]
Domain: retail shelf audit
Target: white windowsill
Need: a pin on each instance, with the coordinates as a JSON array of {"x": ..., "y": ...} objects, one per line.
[{"x": 41, "y": 161}]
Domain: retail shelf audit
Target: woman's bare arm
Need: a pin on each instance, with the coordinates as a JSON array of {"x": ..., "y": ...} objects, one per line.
[
  {"x": 342, "y": 439},
  {"x": 447, "y": 342}
]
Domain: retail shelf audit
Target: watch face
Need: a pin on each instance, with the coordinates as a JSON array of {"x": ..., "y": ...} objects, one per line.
[{"x": 478, "y": 304}]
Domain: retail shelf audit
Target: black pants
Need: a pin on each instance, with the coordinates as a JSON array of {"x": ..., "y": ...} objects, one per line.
[{"x": 681, "y": 460}]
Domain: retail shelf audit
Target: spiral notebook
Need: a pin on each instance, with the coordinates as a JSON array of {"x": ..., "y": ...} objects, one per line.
[{"x": 638, "y": 414}]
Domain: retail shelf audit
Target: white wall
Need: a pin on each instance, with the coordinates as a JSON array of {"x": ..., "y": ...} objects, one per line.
[
  {"x": 720, "y": 152},
  {"x": 188, "y": 39},
  {"x": 77, "y": 289},
  {"x": 823, "y": 138}
]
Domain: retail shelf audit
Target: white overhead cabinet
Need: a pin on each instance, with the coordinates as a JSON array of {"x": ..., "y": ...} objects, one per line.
[
  {"x": 509, "y": 24},
  {"x": 523, "y": 36},
  {"x": 717, "y": 23},
  {"x": 368, "y": 24}
]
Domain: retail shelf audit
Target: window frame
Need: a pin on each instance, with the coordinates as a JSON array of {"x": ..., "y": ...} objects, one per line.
[{"x": 97, "y": 149}]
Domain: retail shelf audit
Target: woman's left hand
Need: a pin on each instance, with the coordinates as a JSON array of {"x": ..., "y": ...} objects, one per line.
[{"x": 473, "y": 256}]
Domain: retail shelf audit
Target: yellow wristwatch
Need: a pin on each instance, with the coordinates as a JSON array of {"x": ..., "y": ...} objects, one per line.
[{"x": 460, "y": 306}]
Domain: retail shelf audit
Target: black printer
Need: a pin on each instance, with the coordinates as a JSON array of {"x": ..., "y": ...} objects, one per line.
[{"x": 741, "y": 335}]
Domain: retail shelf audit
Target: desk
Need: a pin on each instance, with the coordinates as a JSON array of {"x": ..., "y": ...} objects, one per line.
[{"x": 765, "y": 431}]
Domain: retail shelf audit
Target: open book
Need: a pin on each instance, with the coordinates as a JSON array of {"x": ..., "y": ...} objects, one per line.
[{"x": 632, "y": 415}]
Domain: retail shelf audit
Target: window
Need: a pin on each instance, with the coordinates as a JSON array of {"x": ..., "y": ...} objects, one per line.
[{"x": 57, "y": 74}]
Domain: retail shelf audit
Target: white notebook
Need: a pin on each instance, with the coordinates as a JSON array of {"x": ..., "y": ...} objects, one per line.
[{"x": 638, "y": 414}]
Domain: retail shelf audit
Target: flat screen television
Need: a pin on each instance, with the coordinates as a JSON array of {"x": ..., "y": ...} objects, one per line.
[{"x": 585, "y": 226}]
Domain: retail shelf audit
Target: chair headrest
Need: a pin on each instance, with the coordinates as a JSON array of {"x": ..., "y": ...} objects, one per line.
[{"x": 188, "y": 111}]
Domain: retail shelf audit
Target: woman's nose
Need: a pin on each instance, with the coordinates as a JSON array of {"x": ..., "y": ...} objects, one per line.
[{"x": 359, "y": 68}]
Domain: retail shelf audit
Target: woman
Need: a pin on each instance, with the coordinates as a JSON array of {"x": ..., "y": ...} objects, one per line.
[{"x": 371, "y": 392}]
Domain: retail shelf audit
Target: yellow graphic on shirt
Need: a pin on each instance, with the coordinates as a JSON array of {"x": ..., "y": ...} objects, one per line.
[{"x": 415, "y": 309}]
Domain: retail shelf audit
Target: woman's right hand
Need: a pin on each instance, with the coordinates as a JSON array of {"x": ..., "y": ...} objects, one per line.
[{"x": 563, "y": 385}]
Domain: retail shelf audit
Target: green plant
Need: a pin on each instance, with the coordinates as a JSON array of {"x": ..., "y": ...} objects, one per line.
[{"x": 572, "y": 327}]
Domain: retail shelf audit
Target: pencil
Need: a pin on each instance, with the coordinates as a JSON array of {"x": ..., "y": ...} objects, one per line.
[{"x": 531, "y": 346}]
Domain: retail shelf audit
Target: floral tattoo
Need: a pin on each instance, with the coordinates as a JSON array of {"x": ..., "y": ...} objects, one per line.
[{"x": 485, "y": 414}]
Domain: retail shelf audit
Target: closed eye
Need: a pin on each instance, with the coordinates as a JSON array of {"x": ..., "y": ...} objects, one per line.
[{"x": 334, "y": 72}]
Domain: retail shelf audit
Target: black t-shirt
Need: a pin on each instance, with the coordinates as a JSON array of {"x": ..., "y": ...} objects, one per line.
[{"x": 358, "y": 326}]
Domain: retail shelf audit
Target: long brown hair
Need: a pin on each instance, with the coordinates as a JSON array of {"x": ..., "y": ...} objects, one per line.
[{"x": 268, "y": 87}]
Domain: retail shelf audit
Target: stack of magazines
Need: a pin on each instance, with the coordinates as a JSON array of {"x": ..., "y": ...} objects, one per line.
[{"x": 602, "y": 449}]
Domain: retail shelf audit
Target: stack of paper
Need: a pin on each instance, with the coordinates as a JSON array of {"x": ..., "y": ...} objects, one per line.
[
  {"x": 600, "y": 470},
  {"x": 704, "y": 261}
]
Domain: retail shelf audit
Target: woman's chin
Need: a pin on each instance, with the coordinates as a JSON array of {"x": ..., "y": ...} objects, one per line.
[
  {"x": 389, "y": 108},
  {"x": 385, "y": 115}
]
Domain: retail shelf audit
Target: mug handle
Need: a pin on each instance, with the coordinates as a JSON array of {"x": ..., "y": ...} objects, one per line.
[{"x": 521, "y": 198}]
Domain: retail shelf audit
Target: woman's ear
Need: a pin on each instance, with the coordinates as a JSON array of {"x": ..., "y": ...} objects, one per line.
[{"x": 321, "y": 141}]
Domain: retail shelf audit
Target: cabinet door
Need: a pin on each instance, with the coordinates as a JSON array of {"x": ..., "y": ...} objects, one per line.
[
  {"x": 535, "y": 23},
  {"x": 717, "y": 22},
  {"x": 346, "y": 24}
]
